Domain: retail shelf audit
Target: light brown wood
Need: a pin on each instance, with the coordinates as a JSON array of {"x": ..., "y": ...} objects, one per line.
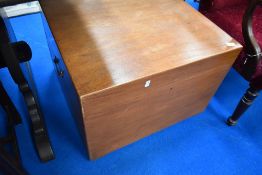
[{"x": 111, "y": 48}]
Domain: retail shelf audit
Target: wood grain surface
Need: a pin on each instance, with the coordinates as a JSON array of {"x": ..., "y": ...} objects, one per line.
[
  {"x": 106, "y": 43},
  {"x": 124, "y": 114},
  {"x": 112, "y": 48}
]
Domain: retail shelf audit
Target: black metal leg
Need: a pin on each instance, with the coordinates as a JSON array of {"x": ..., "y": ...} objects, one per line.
[
  {"x": 10, "y": 164},
  {"x": 11, "y": 54},
  {"x": 39, "y": 132},
  {"x": 243, "y": 105}
]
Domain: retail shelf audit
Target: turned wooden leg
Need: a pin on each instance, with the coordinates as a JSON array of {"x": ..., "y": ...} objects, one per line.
[{"x": 243, "y": 105}]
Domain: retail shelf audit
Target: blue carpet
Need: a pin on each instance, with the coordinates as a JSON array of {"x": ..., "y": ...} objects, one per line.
[
  {"x": 193, "y": 4},
  {"x": 202, "y": 144}
]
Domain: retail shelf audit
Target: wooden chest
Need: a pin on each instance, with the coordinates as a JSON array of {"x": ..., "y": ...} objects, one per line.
[{"x": 130, "y": 68}]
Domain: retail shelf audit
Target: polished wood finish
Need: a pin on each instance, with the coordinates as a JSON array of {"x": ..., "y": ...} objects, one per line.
[{"x": 114, "y": 49}]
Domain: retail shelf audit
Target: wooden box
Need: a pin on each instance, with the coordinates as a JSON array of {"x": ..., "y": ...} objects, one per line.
[{"x": 130, "y": 68}]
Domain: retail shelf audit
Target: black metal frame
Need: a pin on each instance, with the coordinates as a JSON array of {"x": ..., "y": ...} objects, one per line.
[
  {"x": 12, "y": 53},
  {"x": 10, "y": 164}
]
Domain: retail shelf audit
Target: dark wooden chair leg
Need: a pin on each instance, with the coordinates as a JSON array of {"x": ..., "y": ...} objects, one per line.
[{"x": 243, "y": 105}]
